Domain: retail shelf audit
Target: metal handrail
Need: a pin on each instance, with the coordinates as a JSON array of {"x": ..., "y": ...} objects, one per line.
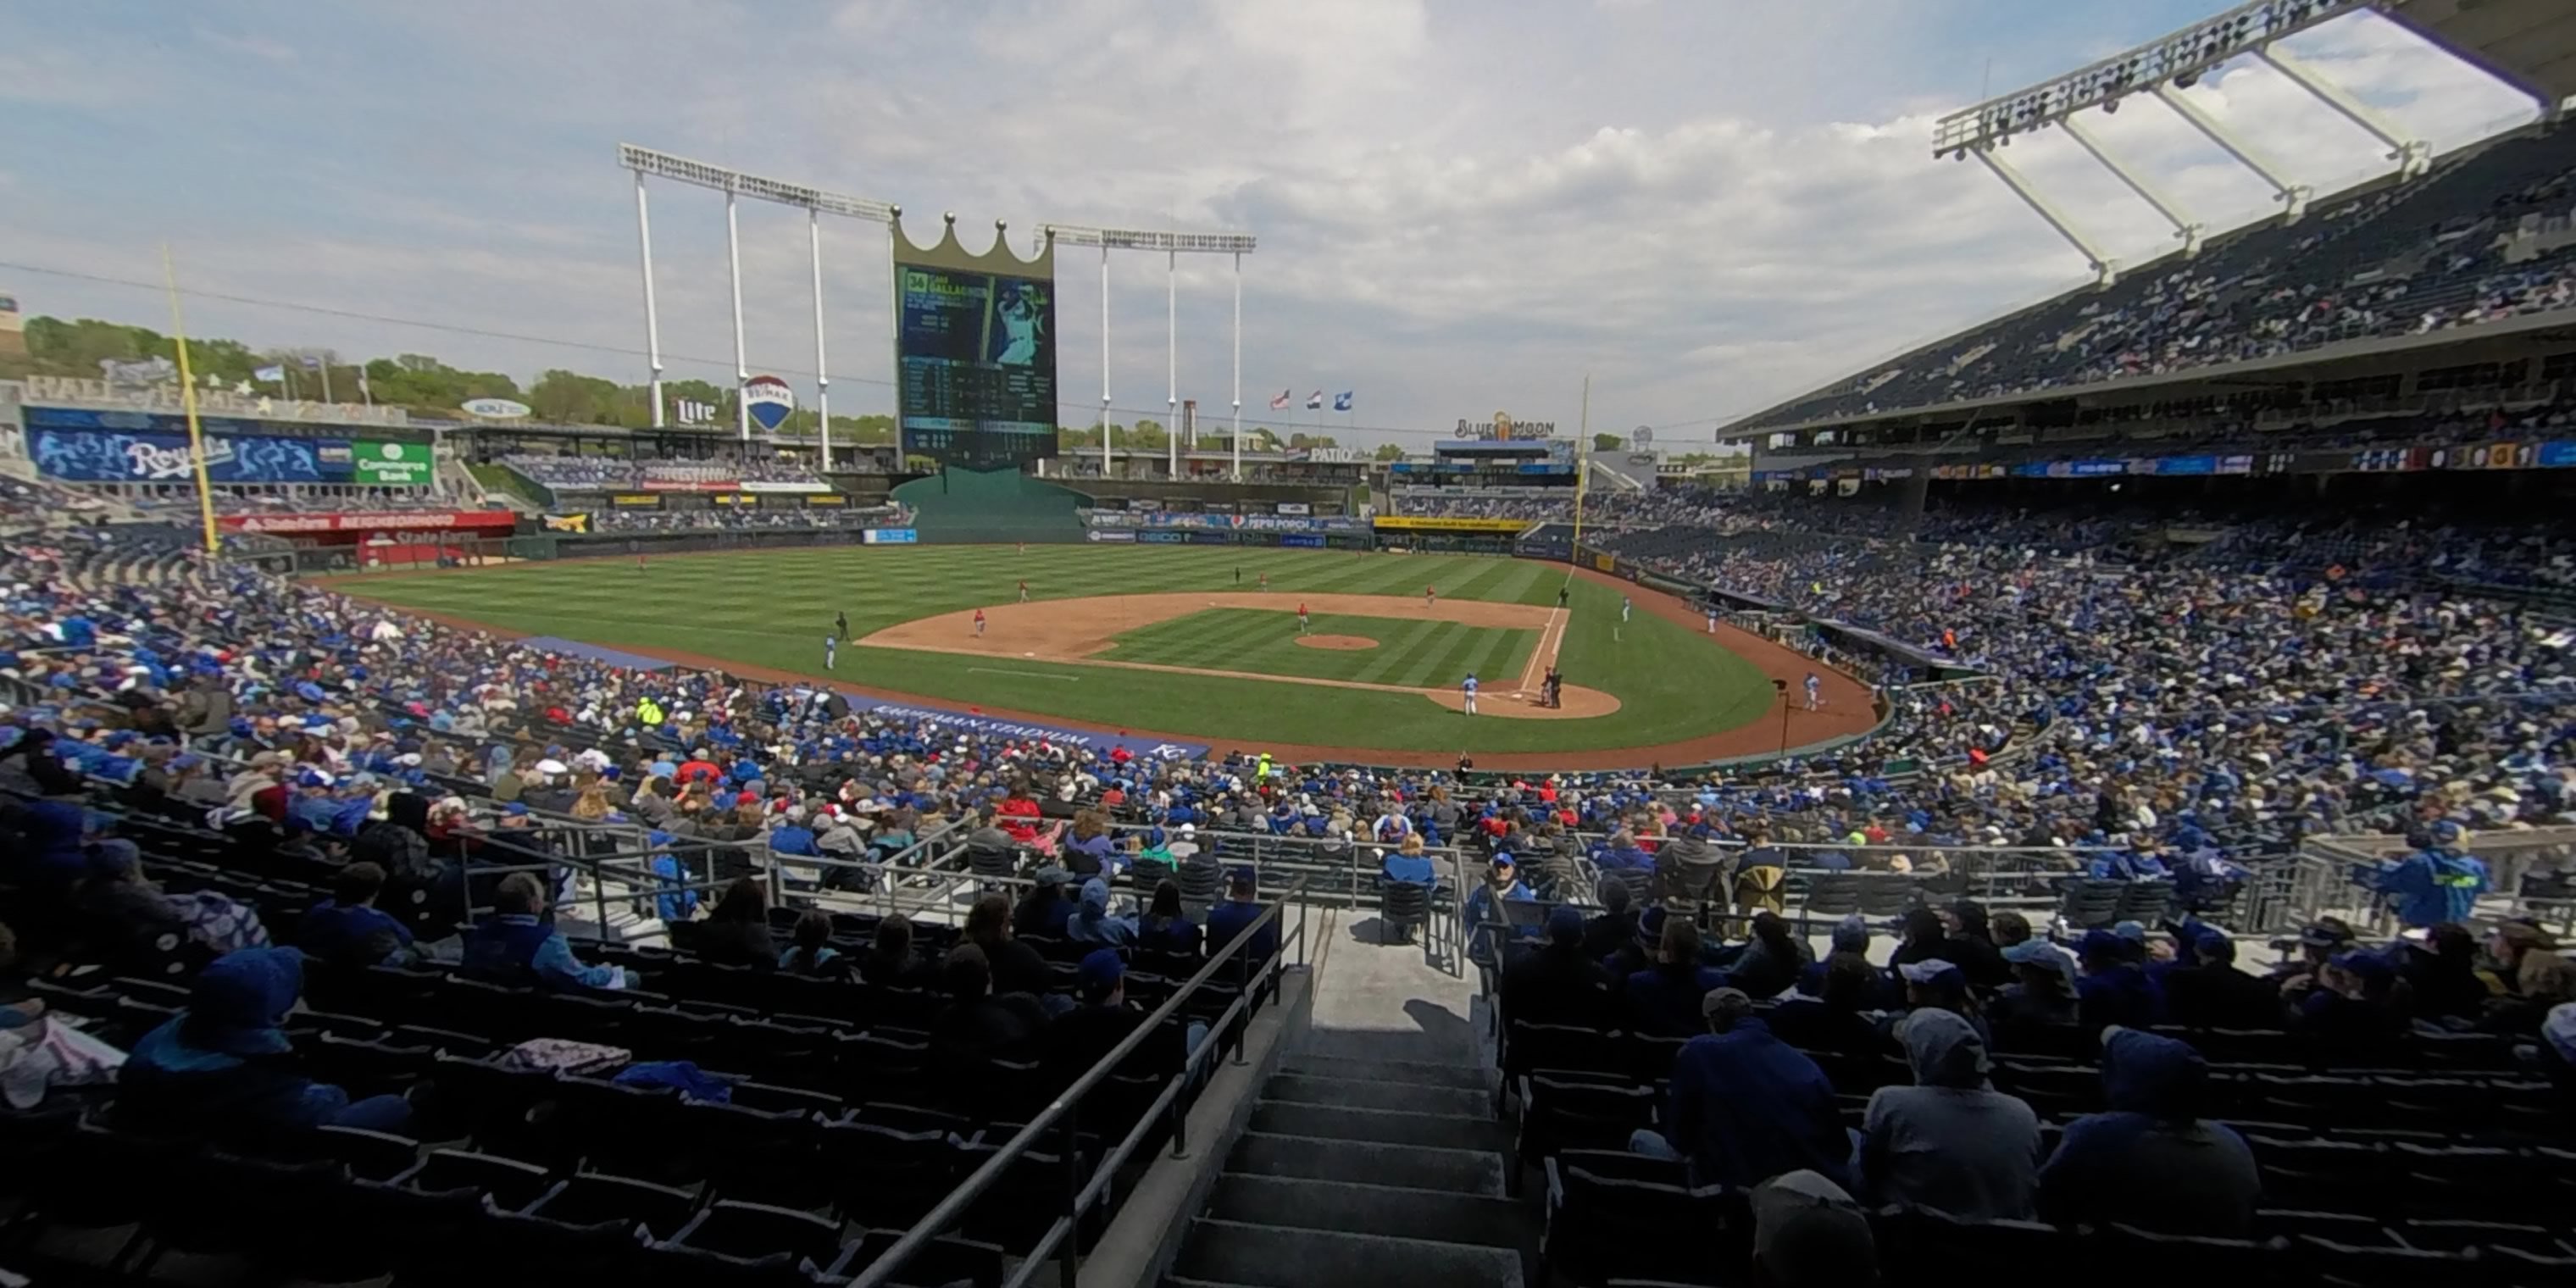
[{"x": 1065, "y": 1110}]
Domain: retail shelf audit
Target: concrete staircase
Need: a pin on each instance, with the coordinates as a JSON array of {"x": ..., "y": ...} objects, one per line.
[{"x": 1363, "y": 1172}]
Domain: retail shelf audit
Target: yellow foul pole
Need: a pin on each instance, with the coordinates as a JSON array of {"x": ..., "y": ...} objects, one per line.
[
  {"x": 1582, "y": 463},
  {"x": 188, "y": 401}
]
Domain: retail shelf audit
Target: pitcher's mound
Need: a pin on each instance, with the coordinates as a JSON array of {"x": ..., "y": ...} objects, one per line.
[{"x": 1343, "y": 642}]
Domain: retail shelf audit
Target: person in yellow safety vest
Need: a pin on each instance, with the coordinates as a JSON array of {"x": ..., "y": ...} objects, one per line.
[
  {"x": 649, "y": 712},
  {"x": 1261, "y": 768}
]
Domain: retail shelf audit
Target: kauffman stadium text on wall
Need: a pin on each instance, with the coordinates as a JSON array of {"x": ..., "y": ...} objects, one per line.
[{"x": 975, "y": 352}]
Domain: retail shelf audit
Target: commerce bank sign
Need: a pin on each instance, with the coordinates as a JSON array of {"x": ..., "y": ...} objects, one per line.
[{"x": 1502, "y": 426}]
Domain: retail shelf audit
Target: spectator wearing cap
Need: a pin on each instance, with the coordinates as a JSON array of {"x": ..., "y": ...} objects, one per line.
[
  {"x": 1487, "y": 927},
  {"x": 1242, "y": 908},
  {"x": 1937, "y": 985},
  {"x": 1556, "y": 982},
  {"x": 1746, "y": 1106},
  {"x": 1808, "y": 1233},
  {"x": 223, "y": 1067},
  {"x": 1093, "y": 923},
  {"x": 515, "y": 946},
  {"x": 348, "y": 930},
  {"x": 2438, "y": 883},
  {"x": 1950, "y": 1141},
  {"x": 2535, "y": 978},
  {"x": 2205, "y": 990},
  {"x": 1045, "y": 909},
  {"x": 2151, "y": 1162},
  {"x": 2040, "y": 1000},
  {"x": 2114, "y": 987},
  {"x": 1666, "y": 998},
  {"x": 1101, "y": 1019},
  {"x": 2359, "y": 1007},
  {"x": 2319, "y": 941}
]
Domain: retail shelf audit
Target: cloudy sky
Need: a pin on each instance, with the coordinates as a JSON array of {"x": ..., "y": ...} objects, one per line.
[{"x": 1463, "y": 205}]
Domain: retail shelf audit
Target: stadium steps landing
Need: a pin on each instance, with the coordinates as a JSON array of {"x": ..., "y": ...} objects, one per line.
[{"x": 1372, "y": 1158}]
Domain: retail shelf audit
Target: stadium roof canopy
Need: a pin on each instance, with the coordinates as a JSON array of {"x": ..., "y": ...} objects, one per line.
[{"x": 2529, "y": 44}]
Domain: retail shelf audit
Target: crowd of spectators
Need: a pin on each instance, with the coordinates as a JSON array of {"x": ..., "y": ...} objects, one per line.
[
  {"x": 2401, "y": 259},
  {"x": 607, "y": 473},
  {"x": 1451, "y": 503},
  {"x": 744, "y": 518}
]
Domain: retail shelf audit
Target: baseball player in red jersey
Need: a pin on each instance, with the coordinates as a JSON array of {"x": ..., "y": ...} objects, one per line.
[
  {"x": 1430, "y": 596},
  {"x": 1024, "y": 590},
  {"x": 979, "y": 623},
  {"x": 1301, "y": 617}
]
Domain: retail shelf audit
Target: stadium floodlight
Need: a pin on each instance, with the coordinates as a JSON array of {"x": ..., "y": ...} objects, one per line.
[
  {"x": 1173, "y": 245},
  {"x": 815, "y": 202},
  {"x": 2161, "y": 69}
]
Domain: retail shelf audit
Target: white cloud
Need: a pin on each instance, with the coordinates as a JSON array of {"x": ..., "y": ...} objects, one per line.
[{"x": 1461, "y": 208}]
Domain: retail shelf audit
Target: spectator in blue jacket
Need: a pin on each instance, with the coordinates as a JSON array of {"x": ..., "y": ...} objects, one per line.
[
  {"x": 1091, "y": 922},
  {"x": 348, "y": 929},
  {"x": 2151, "y": 1162},
  {"x": 1484, "y": 910},
  {"x": 2438, "y": 883},
  {"x": 1409, "y": 864},
  {"x": 1667, "y": 999},
  {"x": 1623, "y": 852},
  {"x": 2115, "y": 988},
  {"x": 515, "y": 946},
  {"x": 1746, "y": 1106},
  {"x": 1241, "y": 908},
  {"x": 224, "y": 1067},
  {"x": 1164, "y": 926}
]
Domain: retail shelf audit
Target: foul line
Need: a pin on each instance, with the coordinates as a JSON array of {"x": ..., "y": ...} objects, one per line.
[
  {"x": 1544, "y": 655},
  {"x": 1034, "y": 675}
]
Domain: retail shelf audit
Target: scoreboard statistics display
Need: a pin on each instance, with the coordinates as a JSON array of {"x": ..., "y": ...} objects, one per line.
[{"x": 975, "y": 365}]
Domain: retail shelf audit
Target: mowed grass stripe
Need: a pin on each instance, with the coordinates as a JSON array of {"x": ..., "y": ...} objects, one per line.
[{"x": 1399, "y": 644}]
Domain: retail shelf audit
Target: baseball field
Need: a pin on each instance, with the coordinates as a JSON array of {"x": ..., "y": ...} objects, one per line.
[{"x": 1196, "y": 643}]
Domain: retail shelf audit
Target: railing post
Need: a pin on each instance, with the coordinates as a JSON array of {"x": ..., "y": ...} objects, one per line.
[
  {"x": 1068, "y": 1254},
  {"x": 1180, "y": 1113}
]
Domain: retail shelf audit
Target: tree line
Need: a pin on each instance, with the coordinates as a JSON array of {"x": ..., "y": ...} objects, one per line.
[{"x": 432, "y": 389}]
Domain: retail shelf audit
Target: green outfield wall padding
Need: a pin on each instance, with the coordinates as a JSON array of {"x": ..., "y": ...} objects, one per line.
[{"x": 962, "y": 505}]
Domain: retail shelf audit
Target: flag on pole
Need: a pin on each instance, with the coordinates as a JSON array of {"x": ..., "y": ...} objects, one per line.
[
  {"x": 1342, "y": 401},
  {"x": 1315, "y": 401},
  {"x": 272, "y": 375},
  {"x": 310, "y": 362},
  {"x": 1281, "y": 402}
]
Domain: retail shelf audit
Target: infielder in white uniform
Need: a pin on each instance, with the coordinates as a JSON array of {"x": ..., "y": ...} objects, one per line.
[{"x": 1468, "y": 690}]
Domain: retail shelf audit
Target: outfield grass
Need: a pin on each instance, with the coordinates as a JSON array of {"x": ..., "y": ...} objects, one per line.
[
  {"x": 1411, "y": 654},
  {"x": 773, "y": 608}
]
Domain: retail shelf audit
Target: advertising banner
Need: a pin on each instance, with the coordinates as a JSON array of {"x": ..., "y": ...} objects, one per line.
[
  {"x": 636, "y": 500},
  {"x": 577, "y": 524},
  {"x": 752, "y": 485},
  {"x": 1204, "y": 538},
  {"x": 890, "y": 536},
  {"x": 391, "y": 464},
  {"x": 500, "y": 521},
  {"x": 1432, "y": 523},
  {"x": 99, "y": 456},
  {"x": 691, "y": 485},
  {"x": 1309, "y": 540},
  {"x": 2558, "y": 455},
  {"x": 1109, "y": 534},
  {"x": 1294, "y": 507},
  {"x": 1163, "y": 538},
  {"x": 824, "y": 499},
  {"x": 768, "y": 399},
  {"x": 1093, "y": 740}
]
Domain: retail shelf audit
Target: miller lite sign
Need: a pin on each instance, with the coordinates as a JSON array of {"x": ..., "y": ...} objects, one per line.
[{"x": 768, "y": 399}]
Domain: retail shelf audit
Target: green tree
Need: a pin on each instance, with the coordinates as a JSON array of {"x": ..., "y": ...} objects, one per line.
[
  {"x": 1390, "y": 452},
  {"x": 1606, "y": 442}
]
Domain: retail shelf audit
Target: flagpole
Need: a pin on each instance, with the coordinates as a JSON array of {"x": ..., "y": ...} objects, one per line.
[
  {"x": 188, "y": 398},
  {"x": 326, "y": 377}
]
